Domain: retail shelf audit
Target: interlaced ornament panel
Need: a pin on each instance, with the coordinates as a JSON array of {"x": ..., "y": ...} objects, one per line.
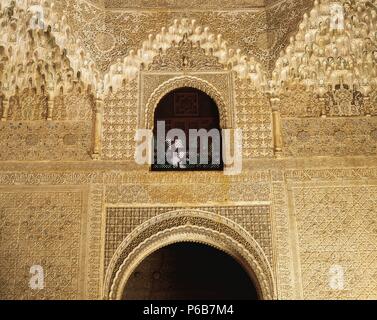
[
  {"x": 336, "y": 226},
  {"x": 41, "y": 227}
]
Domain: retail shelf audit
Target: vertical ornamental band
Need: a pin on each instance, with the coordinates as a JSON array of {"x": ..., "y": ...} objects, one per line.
[
  {"x": 97, "y": 129},
  {"x": 276, "y": 125}
]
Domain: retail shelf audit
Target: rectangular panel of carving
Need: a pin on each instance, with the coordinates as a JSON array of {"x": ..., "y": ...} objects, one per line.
[
  {"x": 190, "y": 188},
  {"x": 256, "y": 219},
  {"x": 330, "y": 136},
  {"x": 337, "y": 239},
  {"x": 119, "y": 123},
  {"x": 41, "y": 226},
  {"x": 284, "y": 270},
  {"x": 45, "y": 140},
  {"x": 255, "y": 119}
]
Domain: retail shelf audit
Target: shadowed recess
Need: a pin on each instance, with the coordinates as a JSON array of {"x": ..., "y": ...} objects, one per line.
[{"x": 188, "y": 271}]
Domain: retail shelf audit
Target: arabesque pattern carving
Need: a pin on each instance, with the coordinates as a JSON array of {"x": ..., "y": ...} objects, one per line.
[
  {"x": 285, "y": 278},
  {"x": 254, "y": 117},
  {"x": 337, "y": 226},
  {"x": 120, "y": 123},
  {"x": 174, "y": 4},
  {"x": 94, "y": 244},
  {"x": 48, "y": 224},
  {"x": 152, "y": 189},
  {"x": 26, "y": 135}
]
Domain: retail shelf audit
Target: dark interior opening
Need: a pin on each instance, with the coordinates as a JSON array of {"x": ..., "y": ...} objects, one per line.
[
  {"x": 189, "y": 271},
  {"x": 185, "y": 109}
]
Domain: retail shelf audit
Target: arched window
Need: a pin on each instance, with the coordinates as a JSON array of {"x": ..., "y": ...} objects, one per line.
[{"x": 187, "y": 134}]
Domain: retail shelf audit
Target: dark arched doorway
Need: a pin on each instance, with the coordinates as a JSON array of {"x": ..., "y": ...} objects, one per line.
[
  {"x": 189, "y": 271},
  {"x": 188, "y": 110}
]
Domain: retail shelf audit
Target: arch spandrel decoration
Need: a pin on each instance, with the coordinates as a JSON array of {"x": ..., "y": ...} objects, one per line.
[
  {"x": 186, "y": 81},
  {"x": 189, "y": 226}
]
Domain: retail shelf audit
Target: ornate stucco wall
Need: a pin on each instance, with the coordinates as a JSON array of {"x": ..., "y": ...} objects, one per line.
[{"x": 73, "y": 200}]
